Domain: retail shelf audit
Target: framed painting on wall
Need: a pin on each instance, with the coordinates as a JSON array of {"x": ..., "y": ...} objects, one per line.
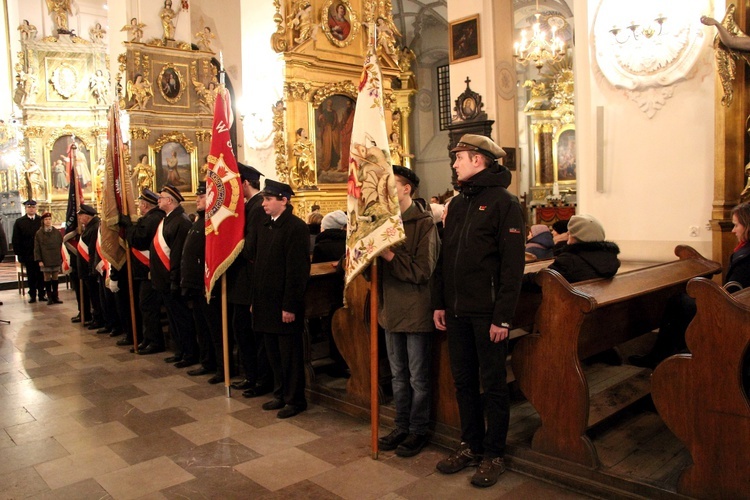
[
  {"x": 175, "y": 161},
  {"x": 339, "y": 22},
  {"x": 565, "y": 154},
  {"x": 464, "y": 39},
  {"x": 333, "y": 134},
  {"x": 59, "y": 167}
]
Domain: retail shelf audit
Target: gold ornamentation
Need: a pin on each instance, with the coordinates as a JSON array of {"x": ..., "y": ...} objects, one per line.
[
  {"x": 139, "y": 133},
  {"x": 28, "y": 31},
  {"x": 33, "y": 132},
  {"x": 339, "y": 22},
  {"x": 143, "y": 174},
  {"x": 60, "y": 9},
  {"x": 85, "y": 136},
  {"x": 135, "y": 30},
  {"x": 279, "y": 144},
  {"x": 205, "y": 38},
  {"x": 725, "y": 57},
  {"x": 147, "y": 67},
  {"x": 369, "y": 12},
  {"x": 301, "y": 21},
  {"x": 65, "y": 80},
  {"x": 278, "y": 39},
  {"x": 203, "y": 135},
  {"x": 171, "y": 83},
  {"x": 303, "y": 173},
  {"x": 167, "y": 15},
  {"x": 345, "y": 87},
  {"x": 206, "y": 93},
  {"x": 140, "y": 91},
  {"x": 299, "y": 91},
  {"x": 50, "y": 39},
  {"x": 97, "y": 33},
  {"x": 178, "y": 137}
]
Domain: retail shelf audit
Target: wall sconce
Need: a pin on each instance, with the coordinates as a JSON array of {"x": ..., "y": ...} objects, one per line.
[{"x": 635, "y": 31}]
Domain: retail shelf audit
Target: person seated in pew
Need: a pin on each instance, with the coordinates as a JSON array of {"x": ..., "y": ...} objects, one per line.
[
  {"x": 681, "y": 309},
  {"x": 559, "y": 236},
  {"x": 586, "y": 255},
  {"x": 540, "y": 242}
]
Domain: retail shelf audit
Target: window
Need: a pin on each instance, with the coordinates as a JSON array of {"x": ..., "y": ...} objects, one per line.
[{"x": 444, "y": 95}]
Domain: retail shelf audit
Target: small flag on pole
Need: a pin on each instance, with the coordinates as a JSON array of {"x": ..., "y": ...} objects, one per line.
[{"x": 225, "y": 202}]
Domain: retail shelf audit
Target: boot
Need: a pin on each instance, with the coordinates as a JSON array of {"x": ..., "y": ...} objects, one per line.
[
  {"x": 48, "y": 290},
  {"x": 54, "y": 297},
  {"x": 43, "y": 292}
]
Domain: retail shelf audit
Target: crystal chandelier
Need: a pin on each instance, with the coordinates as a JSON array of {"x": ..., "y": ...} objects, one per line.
[{"x": 538, "y": 49}]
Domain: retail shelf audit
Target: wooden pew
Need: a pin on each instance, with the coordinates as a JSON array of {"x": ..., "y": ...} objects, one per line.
[
  {"x": 322, "y": 296},
  {"x": 577, "y": 321},
  {"x": 701, "y": 398},
  {"x": 352, "y": 338}
]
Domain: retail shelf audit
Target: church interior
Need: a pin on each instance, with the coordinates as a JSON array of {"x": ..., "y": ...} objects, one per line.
[{"x": 630, "y": 111}]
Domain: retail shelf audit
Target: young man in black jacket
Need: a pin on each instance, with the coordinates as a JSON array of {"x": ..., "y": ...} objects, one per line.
[{"x": 475, "y": 291}]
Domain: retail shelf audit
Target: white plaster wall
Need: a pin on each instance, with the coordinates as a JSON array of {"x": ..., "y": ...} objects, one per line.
[{"x": 658, "y": 173}]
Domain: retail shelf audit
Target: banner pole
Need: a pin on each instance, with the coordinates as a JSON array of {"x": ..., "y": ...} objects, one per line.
[
  {"x": 225, "y": 334},
  {"x": 133, "y": 325},
  {"x": 374, "y": 403}
]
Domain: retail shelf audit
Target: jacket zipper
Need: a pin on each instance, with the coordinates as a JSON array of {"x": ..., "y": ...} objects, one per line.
[{"x": 465, "y": 231}]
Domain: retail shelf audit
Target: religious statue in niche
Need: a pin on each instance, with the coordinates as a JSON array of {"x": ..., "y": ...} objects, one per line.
[
  {"x": 28, "y": 31},
  {"x": 140, "y": 91},
  {"x": 397, "y": 151},
  {"x": 97, "y": 33},
  {"x": 301, "y": 21},
  {"x": 36, "y": 181},
  {"x": 143, "y": 174},
  {"x": 135, "y": 30},
  {"x": 167, "y": 15},
  {"x": 387, "y": 33},
  {"x": 205, "y": 38},
  {"x": 303, "y": 175},
  {"x": 60, "y": 10}
]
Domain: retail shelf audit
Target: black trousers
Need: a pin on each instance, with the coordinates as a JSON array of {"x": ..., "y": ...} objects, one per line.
[
  {"x": 285, "y": 354},
  {"x": 474, "y": 358},
  {"x": 91, "y": 299},
  {"x": 35, "y": 278},
  {"x": 205, "y": 318},
  {"x": 181, "y": 326},
  {"x": 149, "y": 302},
  {"x": 252, "y": 347}
]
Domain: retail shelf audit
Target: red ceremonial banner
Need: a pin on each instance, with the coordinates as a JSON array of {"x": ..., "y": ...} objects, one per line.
[{"x": 225, "y": 207}]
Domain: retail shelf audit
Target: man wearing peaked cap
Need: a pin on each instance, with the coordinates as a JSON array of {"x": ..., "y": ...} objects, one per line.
[
  {"x": 277, "y": 189},
  {"x": 86, "y": 210},
  {"x": 86, "y": 261},
  {"x": 258, "y": 376},
  {"x": 201, "y": 190},
  {"x": 408, "y": 175},
  {"x": 149, "y": 197},
  {"x": 479, "y": 144},
  {"x": 166, "y": 255},
  {"x": 476, "y": 289},
  {"x": 173, "y": 192},
  {"x": 24, "y": 230},
  {"x": 281, "y": 255}
]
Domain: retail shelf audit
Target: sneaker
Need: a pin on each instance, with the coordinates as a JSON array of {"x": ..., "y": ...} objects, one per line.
[
  {"x": 488, "y": 472},
  {"x": 459, "y": 460},
  {"x": 392, "y": 440},
  {"x": 412, "y": 445}
]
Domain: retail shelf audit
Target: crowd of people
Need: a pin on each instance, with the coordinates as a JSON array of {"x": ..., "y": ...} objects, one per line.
[{"x": 459, "y": 269}]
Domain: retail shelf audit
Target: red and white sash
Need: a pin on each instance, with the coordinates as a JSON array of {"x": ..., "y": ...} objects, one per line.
[
  {"x": 162, "y": 249},
  {"x": 143, "y": 256},
  {"x": 83, "y": 250}
]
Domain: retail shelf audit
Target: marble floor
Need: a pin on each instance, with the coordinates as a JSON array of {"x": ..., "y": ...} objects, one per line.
[{"x": 82, "y": 418}]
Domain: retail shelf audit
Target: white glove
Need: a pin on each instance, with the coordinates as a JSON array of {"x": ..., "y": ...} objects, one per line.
[{"x": 113, "y": 286}]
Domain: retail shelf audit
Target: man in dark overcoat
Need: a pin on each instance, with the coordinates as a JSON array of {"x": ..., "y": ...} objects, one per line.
[
  {"x": 258, "y": 376},
  {"x": 166, "y": 256},
  {"x": 86, "y": 265},
  {"x": 281, "y": 250},
  {"x": 24, "y": 230}
]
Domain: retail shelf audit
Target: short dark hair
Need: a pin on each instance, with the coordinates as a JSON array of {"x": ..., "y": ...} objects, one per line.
[
  {"x": 255, "y": 184},
  {"x": 487, "y": 160},
  {"x": 742, "y": 211}
]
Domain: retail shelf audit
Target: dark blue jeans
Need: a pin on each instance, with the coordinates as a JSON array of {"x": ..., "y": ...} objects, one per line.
[
  {"x": 475, "y": 358},
  {"x": 409, "y": 355}
]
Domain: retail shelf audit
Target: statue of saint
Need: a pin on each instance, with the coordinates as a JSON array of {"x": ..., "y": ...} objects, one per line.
[
  {"x": 37, "y": 182},
  {"x": 205, "y": 38},
  {"x": 302, "y": 21},
  {"x": 60, "y": 10},
  {"x": 28, "y": 31},
  {"x": 167, "y": 16},
  {"x": 97, "y": 33},
  {"x": 143, "y": 174},
  {"x": 98, "y": 178},
  {"x": 99, "y": 86},
  {"x": 207, "y": 94},
  {"x": 140, "y": 91},
  {"x": 303, "y": 154}
]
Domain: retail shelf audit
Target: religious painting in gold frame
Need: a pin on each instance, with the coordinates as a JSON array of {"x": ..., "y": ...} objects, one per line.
[
  {"x": 564, "y": 154},
  {"x": 58, "y": 166},
  {"x": 175, "y": 161},
  {"x": 334, "y": 119},
  {"x": 339, "y": 22},
  {"x": 463, "y": 36},
  {"x": 171, "y": 82},
  {"x": 544, "y": 161}
]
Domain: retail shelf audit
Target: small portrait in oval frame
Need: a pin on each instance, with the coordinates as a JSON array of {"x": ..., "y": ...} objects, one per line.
[
  {"x": 170, "y": 84},
  {"x": 339, "y": 22}
]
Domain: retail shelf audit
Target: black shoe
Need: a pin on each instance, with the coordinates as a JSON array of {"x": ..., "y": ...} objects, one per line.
[
  {"x": 32, "y": 300},
  {"x": 104, "y": 329},
  {"x": 196, "y": 372},
  {"x": 55, "y": 300},
  {"x": 185, "y": 363},
  {"x": 95, "y": 326},
  {"x": 150, "y": 349},
  {"x": 290, "y": 411},
  {"x": 412, "y": 445},
  {"x": 242, "y": 385},
  {"x": 173, "y": 359},
  {"x": 75, "y": 319},
  {"x": 87, "y": 322},
  {"x": 256, "y": 391},
  {"x": 392, "y": 440},
  {"x": 274, "y": 404},
  {"x": 116, "y": 333},
  {"x": 124, "y": 341},
  {"x": 43, "y": 298},
  {"x": 216, "y": 379}
]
